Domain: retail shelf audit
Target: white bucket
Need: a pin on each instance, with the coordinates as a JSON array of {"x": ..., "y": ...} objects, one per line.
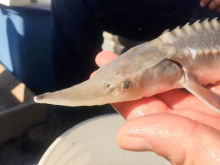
[{"x": 93, "y": 143}]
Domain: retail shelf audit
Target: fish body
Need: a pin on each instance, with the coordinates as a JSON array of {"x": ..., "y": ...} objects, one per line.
[{"x": 187, "y": 57}]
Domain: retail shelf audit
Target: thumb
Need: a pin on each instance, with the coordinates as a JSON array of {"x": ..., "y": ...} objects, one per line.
[{"x": 180, "y": 140}]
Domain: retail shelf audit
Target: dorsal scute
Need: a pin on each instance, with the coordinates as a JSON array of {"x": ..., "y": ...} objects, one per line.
[
  {"x": 171, "y": 37},
  {"x": 207, "y": 25},
  {"x": 215, "y": 23},
  {"x": 178, "y": 32},
  {"x": 197, "y": 25},
  {"x": 187, "y": 28}
]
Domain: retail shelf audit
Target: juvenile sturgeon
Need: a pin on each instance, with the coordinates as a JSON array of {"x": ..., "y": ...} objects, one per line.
[{"x": 187, "y": 57}]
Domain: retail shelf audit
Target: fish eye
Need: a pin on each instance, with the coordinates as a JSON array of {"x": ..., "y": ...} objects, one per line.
[{"x": 126, "y": 85}]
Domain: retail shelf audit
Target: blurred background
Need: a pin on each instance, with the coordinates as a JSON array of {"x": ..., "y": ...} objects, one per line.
[{"x": 27, "y": 69}]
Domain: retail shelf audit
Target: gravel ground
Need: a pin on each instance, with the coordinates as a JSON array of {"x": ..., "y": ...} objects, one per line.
[
  {"x": 14, "y": 152},
  {"x": 29, "y": 148}
]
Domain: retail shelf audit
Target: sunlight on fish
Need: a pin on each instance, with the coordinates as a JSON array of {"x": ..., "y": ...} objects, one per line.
[{"x": 186, "y": 57}]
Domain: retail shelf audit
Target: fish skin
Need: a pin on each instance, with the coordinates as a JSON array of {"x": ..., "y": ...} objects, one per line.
[{"x": 186, "y": 57}]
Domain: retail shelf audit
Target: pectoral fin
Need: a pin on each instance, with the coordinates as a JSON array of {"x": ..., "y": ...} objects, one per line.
[{"x": 208, "y": 97}]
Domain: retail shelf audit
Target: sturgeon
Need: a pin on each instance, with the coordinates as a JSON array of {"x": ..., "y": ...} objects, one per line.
[{"x": 186, "y": 57}]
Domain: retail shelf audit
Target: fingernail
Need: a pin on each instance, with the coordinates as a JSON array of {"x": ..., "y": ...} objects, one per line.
[{"x": 134, "y": 144}]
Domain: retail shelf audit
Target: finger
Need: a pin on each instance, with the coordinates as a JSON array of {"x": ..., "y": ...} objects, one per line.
[
  {"x": 165, "y": 134},
  {"x": 212, "y": 121},
  {"x": 214, "y": 4},
  {"x": 138, "y": 108},
  {"x": 174, "y": 98},
  {"x": 203, "y": 3},
  {"x": 93, "y": 74},
  {"x": 105, "y": 57},
  {"x": 177, "y": 99},
  {"x": 152, "y": 105}
]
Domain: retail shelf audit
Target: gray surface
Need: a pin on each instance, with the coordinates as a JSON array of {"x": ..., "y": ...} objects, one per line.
[{"x": 28, "y": 148}]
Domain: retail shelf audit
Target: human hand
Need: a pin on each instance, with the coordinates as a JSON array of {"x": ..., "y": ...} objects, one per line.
[
  {"x": 174, "y": 124},
  {"x": 213, "y": 4}
]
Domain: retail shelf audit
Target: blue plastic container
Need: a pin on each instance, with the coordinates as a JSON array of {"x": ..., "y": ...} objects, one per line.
[{"x": 26, "y": 45}]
